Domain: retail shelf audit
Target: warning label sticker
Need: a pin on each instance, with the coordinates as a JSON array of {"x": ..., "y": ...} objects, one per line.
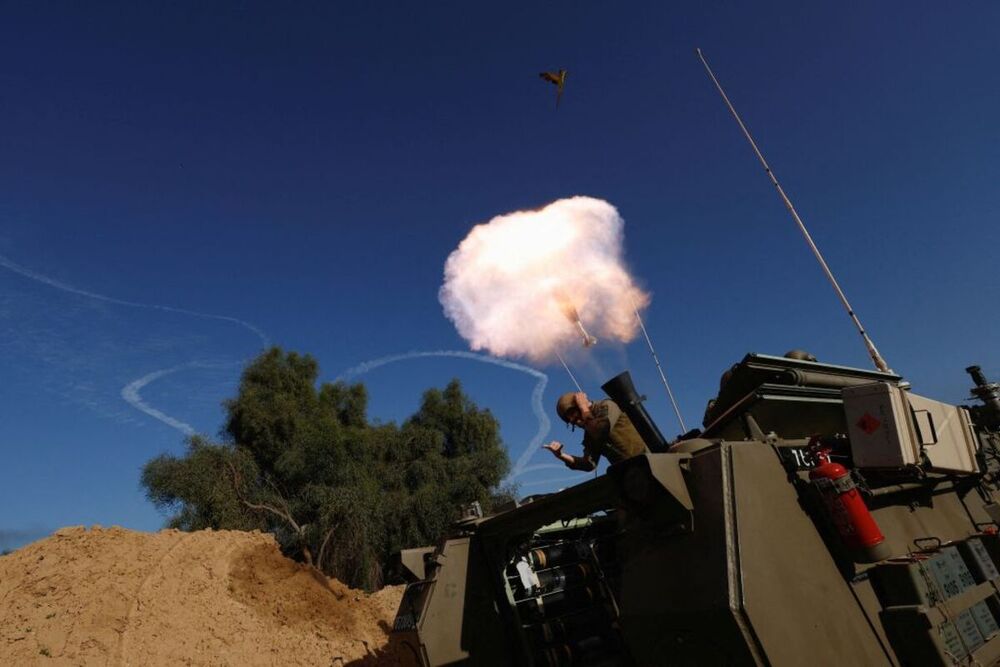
[{"x": 868, "y": 424}]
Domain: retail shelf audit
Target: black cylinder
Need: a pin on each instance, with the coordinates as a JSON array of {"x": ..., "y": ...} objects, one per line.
[
  {"x": 977, "y": 375},
  {"x": 987, "y": 392},
  {"x": 556, "y": 554},
  {"x": 588, "y": 621},
  {"x": 562, "y": 577},
  {"x": 560, "y": 602},
  {"x": 622, "y": 391}
]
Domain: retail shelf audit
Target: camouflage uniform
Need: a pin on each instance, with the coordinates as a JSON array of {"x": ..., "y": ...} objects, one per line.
[{"x": 613, "y": 435}]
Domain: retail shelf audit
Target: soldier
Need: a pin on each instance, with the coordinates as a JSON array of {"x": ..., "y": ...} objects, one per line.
[{"x": 607, "y": 431}]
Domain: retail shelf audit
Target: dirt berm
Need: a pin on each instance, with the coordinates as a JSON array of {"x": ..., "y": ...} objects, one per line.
[{"x": 110, "y": 596}]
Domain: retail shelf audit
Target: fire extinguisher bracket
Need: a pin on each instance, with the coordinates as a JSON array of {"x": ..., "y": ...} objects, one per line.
[{"x": 847, "y": 511}]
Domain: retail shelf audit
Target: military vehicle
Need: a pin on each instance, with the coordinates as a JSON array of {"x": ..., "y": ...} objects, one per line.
[{"x": 824, "y": 515}]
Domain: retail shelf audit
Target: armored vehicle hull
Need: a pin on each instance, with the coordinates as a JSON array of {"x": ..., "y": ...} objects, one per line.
[{"x": 825, "y": 515}]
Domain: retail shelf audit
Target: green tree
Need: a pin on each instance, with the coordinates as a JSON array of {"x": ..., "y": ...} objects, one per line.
[
  {"x": 305, "y": 463},
  {"x": 193, "y": 488}
]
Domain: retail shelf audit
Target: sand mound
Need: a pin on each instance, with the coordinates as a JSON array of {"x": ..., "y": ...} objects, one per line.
[{"x": 118, "y": 597}]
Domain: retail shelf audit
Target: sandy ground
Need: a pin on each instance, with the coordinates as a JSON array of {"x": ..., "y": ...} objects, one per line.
[{"x": 110, "y": 596}]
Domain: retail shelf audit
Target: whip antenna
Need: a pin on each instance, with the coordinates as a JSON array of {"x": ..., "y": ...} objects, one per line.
[
  {"x": 872, "y": 352},
  {"x": 569, "y": 372},
  {"x": 663, "y": 376}
]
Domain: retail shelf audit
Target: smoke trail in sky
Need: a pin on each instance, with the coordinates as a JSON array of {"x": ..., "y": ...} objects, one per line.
[
  {"x": 521, "y": 465},
  {"x": 38, "y": 277},
  {"x": 514, "y": 284},
  {"x": 565, "y": 481},
  {"x": 130, "y": 392}
]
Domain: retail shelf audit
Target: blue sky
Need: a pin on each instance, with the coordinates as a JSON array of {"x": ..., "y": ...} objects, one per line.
[{"x": 305, "y": 170}]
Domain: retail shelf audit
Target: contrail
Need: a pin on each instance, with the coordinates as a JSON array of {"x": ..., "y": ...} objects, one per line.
[
  {"x": 544, "y": 424},
  {"x": 130, "y": 392},
  {"x": 541, "y": 466},
  {"x": 52, "y": 282}
]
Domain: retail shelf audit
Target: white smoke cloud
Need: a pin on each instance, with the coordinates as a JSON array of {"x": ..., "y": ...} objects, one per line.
[{"x": 513, "y": 283}]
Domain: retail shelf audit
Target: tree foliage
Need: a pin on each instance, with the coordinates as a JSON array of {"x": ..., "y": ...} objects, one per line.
[{"x": 343, "y": 493}]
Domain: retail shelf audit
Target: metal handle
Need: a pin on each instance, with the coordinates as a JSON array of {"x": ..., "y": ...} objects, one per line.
[{"x": 930, "y": 420}]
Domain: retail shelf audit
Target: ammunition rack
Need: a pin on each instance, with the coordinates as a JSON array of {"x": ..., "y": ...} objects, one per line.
[
  {"x": 940, "y": 607},
  {"x": 568, "y": 614}
]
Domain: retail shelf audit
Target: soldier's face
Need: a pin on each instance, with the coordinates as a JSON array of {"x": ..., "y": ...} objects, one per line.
[{"x": 574, "y": 417}]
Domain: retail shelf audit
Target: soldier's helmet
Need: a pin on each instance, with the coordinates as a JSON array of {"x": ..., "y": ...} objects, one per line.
[
  {"x": 800, "y": 355},
  {"x": 565, "y": 403}
]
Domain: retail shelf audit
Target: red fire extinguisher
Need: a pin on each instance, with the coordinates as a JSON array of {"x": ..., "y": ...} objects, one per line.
[{"x": 846, "y": 508}]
